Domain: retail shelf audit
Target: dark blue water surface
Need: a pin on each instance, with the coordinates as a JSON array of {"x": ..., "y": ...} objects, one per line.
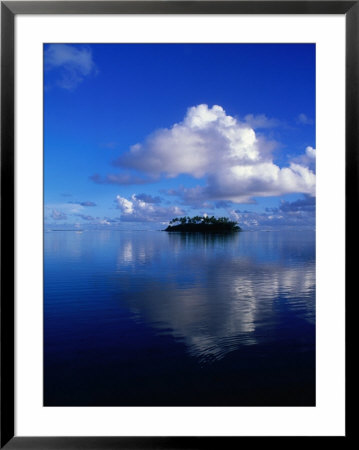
[{"x": 148, "y": 318}]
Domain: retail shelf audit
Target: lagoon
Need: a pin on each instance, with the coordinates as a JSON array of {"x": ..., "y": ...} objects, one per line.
[{"x": 147, "y": 318}]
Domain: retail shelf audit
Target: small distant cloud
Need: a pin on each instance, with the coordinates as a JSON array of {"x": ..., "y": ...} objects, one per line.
[
  {"x": 136, "y": 210},
  {"x": 73, "y": 64},
  {"x": 223, "y": 204},
  {"x": 84, "y": 203},
  {"x": 112, "y": 220},
  {"x": 63, "y": 210},
  {"x": 303, "y": 119},
  {"x": 87, "y": 203},
  {"x": 306, "y": 204},
  {"x": 121, "y": 179},
  {"x": 58, "y": 215},
  {"x": 86, "y": 217},
  {"x": 261, "y": 121},
  {"x": 299, "y": 214},
  {"x": 148, "y": 198}
]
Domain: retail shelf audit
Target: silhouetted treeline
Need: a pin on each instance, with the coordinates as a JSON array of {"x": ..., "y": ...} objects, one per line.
[{"x": 203, "y": 224}]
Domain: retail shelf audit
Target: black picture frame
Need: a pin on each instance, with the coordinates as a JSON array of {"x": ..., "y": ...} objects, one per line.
[{"x": 9, "y": 9}]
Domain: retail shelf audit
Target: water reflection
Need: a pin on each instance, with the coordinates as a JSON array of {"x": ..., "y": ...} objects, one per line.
[
  {"x": 203, "y": 239},
  {"x": 206, "y": 292},
  {"x": 151, "y": 318}
]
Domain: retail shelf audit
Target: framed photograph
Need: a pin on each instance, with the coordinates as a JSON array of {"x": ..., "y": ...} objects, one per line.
[{"x": 176, "y": 179}]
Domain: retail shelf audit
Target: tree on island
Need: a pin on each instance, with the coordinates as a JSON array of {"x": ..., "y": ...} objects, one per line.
[{"x": 203, "y": 224}]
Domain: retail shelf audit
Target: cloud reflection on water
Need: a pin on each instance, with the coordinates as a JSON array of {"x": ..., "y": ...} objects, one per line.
[{"x": 211, "y": 292}]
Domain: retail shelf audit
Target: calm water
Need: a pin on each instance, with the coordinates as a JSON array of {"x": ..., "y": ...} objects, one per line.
[{"x": 148, "y": 318}]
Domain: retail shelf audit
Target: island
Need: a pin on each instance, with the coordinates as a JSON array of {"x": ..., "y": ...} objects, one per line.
[{"x": 203, "y": 224}]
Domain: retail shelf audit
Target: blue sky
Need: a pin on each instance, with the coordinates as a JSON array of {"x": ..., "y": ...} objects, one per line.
[{"x": 135, "y": 135}]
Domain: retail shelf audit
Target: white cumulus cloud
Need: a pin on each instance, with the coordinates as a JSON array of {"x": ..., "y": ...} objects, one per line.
[
  {"x": 236, "y": 163},
  {"x": 307, "y": 159},
  {"x": 137, "y": 210},
  {"x": 310, "y": 152}
]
